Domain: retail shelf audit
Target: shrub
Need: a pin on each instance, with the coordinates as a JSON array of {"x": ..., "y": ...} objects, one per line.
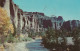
[
  {"x": 27, "y": 39},
  {"x": 51, "y": 39},
  {"x": 5, "y": 26},
  {"x": 10, "y": 38},
  {"x": 4, "y": 21}
]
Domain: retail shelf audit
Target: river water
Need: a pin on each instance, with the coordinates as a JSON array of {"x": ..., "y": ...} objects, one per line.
[{"x": 36, "y": 46}]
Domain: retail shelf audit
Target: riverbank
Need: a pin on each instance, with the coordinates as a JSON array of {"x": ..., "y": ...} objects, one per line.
[
  {"x": 33, "y": 45},
  {"x": 20, "y": 46},
  {"x": 36, "y": 46}
]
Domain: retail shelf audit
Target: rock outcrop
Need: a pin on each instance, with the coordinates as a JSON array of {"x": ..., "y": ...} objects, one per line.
[
  {"x": 33, "y": 21},
  {"x": 69, "y": 25}
]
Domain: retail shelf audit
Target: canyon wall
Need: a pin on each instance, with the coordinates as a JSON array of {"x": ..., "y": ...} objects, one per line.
[
  {"x": 25, "y": 22},
  {"x": 71, "y": 24}
]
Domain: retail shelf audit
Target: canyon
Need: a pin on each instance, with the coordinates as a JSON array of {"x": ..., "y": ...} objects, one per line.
[{"x": 25, "y": 22}]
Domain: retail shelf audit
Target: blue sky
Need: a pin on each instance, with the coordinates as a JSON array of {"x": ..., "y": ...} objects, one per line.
[{"x": 68, "y": 9}]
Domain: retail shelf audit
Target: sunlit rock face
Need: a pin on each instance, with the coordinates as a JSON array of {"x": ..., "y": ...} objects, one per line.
[
  {"x": 57, "y": 22},
  {"x": 34, "y": 21},
  {"x": 20, "y": 21},
  {"x": 16, "y": 15},
  {"x": 6, "y": 5},
  {"x": 26, "y": 21},
  {"x": 12, "y": 11}
]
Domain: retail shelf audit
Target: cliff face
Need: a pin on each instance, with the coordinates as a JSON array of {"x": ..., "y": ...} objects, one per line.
[
  {"x": 47, "y": 23},
  {"x": 14, "y": 13},
  {"x": 66, "y": 25},
  {"x": 6, "y": 5},
  {"x": 69, "y": 25},
  {"x": 33, "y": 21},
  {"x": 57, "y": 22}
]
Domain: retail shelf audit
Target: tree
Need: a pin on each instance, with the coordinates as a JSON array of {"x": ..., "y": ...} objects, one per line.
[
  {"x": 76, "y": 35},
  {"x": 5, "y": 25},
  {"x": 4, "y": 21},
  {"x": 76, "y": 38},
  {"x": 50, "y": 40}
]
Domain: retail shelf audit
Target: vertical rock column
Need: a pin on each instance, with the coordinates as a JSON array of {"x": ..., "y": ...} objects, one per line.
[
  {"x": 19, "y": 28},
  {"x": 7, "y": 6},
  {"x": 16, "y": 18}
]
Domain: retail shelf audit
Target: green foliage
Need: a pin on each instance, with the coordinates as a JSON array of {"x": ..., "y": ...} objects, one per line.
[
  {"x": 32, "y": 34},
  {"x": 2, "y": 39},
  {"x": 50, "y": 39},
  {"x": 14, "y": 29},
  {"x": 11, "y": 39},
  {"x": 27, "y": 39},
  {"x": 76, "y": 36}
]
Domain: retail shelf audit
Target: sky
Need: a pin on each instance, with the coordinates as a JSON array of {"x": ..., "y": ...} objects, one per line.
[{"x": 68, "y": 9}]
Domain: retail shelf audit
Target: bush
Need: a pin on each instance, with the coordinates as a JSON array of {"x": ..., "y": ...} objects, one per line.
[
  {"x": 5, "y": 26},
  {"x": 27, "y": 39},
  {"x": 10, "y": 38},
  {"x": 50, "y": 39}
]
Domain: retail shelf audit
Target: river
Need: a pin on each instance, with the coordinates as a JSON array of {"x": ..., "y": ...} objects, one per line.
[{"x": 36, "y": 46}]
